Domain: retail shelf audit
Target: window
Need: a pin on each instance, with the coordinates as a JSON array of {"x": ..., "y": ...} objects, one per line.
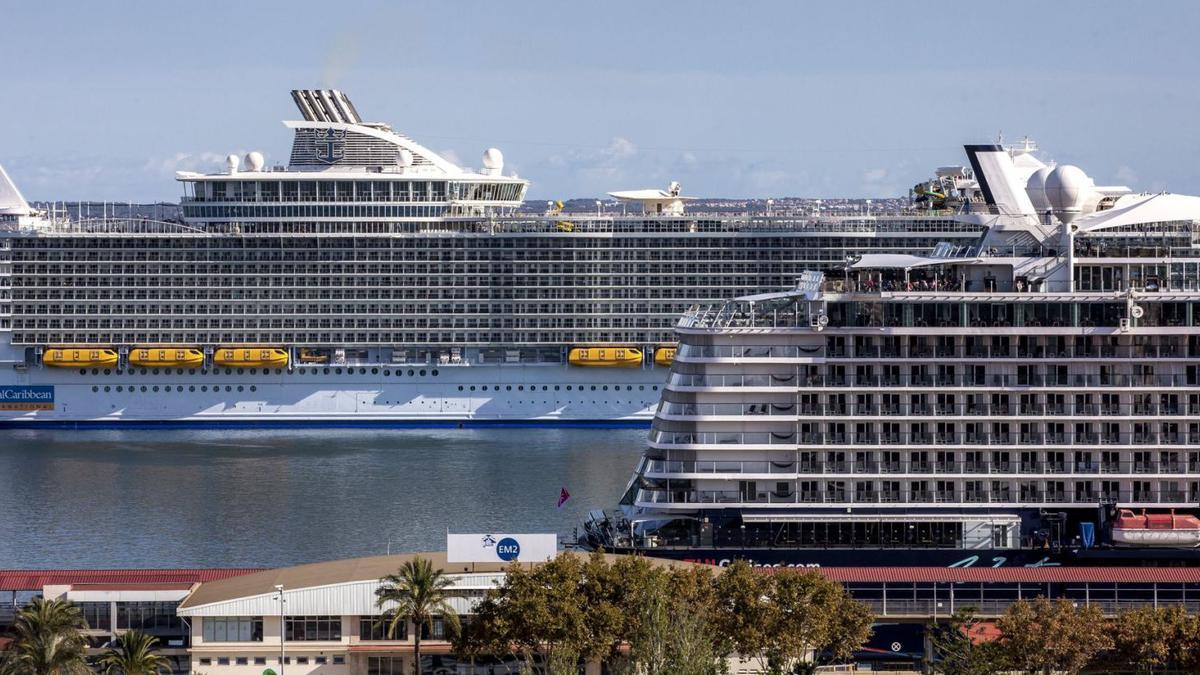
[
  {"x": 222, "y": 660},
  {"x": 320, "y": 660},
  {"x": 339, "y": 660},
  {"x": 302, "y": 660},
  {"x": 375, "y": 628},
  {"x": 242, "y": 661},
  {"x": 155, "y": 618},
  {"x": 260, "y": 660},
  {"x": 385, "y": 665},
  {"x": 206, "y": 661},
  {"x": 438, "y": 631},
  {"x": 233, "y": 629},
  {"x": 96, "y": 614},
  {"x": 313, "y": 628}
]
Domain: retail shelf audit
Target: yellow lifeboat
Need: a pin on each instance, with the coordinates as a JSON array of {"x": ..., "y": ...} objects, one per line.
[
  {"x": 80, "y": 357},
  {"x": 605, "y": 357},
  {"x": 166, "y": 357},
  {"x": 251, "y": 357},
  {"x": 665, "y": 356}
]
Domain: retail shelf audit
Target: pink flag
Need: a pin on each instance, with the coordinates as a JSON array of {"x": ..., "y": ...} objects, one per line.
[{"x": 563, "y": 496}]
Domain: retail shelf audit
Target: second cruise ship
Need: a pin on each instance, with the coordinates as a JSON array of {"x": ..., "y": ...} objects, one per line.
[
  {"x": 1028, "y": 399},
  {"x": 371, "y": 281}
]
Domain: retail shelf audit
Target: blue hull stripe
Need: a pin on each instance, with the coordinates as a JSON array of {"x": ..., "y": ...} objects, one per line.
[{"x": 325, "y": 424}]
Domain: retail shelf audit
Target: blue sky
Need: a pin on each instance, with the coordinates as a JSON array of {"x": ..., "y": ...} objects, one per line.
[{"x": 750, "y": 99}]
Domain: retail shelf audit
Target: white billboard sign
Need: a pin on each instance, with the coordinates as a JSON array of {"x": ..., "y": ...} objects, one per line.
[{"x": 491, "y": 548}]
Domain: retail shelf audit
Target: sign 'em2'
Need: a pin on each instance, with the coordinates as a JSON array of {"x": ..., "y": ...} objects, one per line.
[{"x": 508, "y": 549}]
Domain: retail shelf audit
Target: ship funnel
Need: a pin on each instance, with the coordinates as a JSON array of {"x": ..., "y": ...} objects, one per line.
[{"x": 325, "y": 105}]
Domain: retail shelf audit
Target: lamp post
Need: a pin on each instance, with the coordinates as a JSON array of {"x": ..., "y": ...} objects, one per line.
[{"x": 282, "y": 627}]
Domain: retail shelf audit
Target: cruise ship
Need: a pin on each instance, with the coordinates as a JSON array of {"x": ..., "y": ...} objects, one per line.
[
  {"x": 1031, "y": 398},
  {"x": 372, "y": 281}
]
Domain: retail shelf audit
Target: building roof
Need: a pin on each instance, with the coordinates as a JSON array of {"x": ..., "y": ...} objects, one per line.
[
  {"x": 35, "y": 580},
  {"x": 1131, "y": 575},
  {"x": 324, "y": 574}
]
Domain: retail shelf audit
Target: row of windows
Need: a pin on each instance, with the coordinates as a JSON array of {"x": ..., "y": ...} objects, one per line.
[
  {"x": 336, "y": 659},
  {"x": 298, "y": 628},
  {"x": 233, "y": 629},
  {"x": 301, "y": 370}
]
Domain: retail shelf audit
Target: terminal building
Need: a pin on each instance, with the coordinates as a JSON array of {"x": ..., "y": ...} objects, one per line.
[{"x": 230, "y": 621}]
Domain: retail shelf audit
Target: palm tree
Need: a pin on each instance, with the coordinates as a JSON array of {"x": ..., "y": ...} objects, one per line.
[
  {"x": 133, "y": 654},
  {"x": 416, "y": 593},
  {"x": 48, "y": 640}
]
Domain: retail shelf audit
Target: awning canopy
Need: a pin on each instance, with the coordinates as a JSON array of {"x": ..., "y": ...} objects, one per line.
[
  {"x": 1139, "y": 209},
  {"x": 904, "y": 261}
]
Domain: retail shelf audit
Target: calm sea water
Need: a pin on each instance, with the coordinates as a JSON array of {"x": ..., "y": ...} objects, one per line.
[{"x": 268, "y": 498}]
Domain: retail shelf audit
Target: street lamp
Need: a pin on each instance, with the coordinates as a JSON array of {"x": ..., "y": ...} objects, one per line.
[{"x": 282, "y": 627}]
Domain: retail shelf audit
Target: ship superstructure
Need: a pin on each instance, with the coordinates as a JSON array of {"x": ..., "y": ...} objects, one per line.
[
  {"x": 370, "y": 280},
  {"x": 1029, "y": 398}
]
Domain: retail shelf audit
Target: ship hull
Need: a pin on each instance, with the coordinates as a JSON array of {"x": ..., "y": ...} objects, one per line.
[{"x": 349, "y": 396}]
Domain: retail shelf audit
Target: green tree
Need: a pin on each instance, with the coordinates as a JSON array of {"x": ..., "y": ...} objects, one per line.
[
  {"x": 1043, "y": 636},
  {"x": 416, "y": 593},
  {"x": 1150, "y": 638},
  {"x": 743, "y": 613},
  {"x": 811, "y": 616},
  {"x": 133, "y": 654},
  {"x": 959, "y": 649},
  {"x": 48, "y": 640}
]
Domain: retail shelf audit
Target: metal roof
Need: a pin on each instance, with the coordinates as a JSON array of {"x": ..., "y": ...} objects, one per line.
[
  {"x": 1048, "y": 574},
  {"x": 35, "y": 580}
]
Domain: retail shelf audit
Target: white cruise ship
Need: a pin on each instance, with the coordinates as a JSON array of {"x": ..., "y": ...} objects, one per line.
[
  {"x": 371, "y": 281},
  {"x": 1030, "y": 398}
]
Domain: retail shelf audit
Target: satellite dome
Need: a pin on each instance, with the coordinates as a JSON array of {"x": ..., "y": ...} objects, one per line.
[
  {"x": 1036, "y": 187},
  {"x": 404, "y": 157},
  {"x": 493, "y": 159},
  {"x": 1067, "y": 187},
  {"x": 231, "y": 163},
  {"x": 255, "y": 161}
]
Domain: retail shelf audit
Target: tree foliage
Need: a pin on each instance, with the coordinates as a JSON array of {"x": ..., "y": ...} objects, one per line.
[
  {"x": 48, "y": 640},
  {"x": 961, "y": 648},
  {"x": 1044, "y": 636},
  {"x": 133, "y": 654},
  {"x": 416, "y": 593}
]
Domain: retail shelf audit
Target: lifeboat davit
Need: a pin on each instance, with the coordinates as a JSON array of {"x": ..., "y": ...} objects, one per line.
[
  {"x": 605, "y": 357},
  {"x": 80, "y": 357},
  {"x": 166, "y": 357},
  {"x": 251, "y": 357},
  {"x": 665, "y": 356},
  {"x": 1155, "y": 529}
]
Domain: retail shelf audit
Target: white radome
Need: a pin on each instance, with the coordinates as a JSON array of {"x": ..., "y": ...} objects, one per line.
[
  {"x": 231, "y": 163},
  {"x": 404, "y": 157},
  {"x": 493, "y": 159},
  {"x": 1067, "y": 187},
  {"x": 1036, "y": 187},
  {"x": 255, "y": 161}
]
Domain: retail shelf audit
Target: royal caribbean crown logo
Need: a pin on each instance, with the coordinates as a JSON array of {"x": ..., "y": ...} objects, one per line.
[
  {"x": 330, "y": 145},
  {"x": 25, "y": 397}
]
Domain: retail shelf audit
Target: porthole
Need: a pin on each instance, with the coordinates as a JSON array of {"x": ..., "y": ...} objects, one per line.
[
  {"x": 143, "y": 387},
  {"x": 568, "y": 387},
  {"x": 422, "y": 373},
  {"x": 629, "y": 387},
  {"x": 520, "y": 387},
  {"x": 460, "y": 387},
  {"x": 240, "y": 388},
  {"x": 605, "y": 387},
  {"x": 228, "y": 371},
  {"x": 107, "y": 388},
  {"x": 656, "y": 387},
  {"x": 411, "y": 372},
  {"x": 95, "y": 371},
  {"x": 545, "y": 388},
  {"x": 374, "y": 371},
  {"x": 593, "y": 387},
  {"x": 362, "y": 371},
  {"x": 641, "y": 387},
  {"x": 204, "y": 371},
  {"x": 337, "y": 371},
  {"x": 472, "y": 387},
  {"x": 253, "y": 388},
  {"x": 83, "y": 371},
  {"x": 434, "y": 372},
  {"x": 156, "y": 388},
  {"x": 254, "y": 371},
  {"x": 179, "y": 388},
  {"x": 556, "y": 387},
  {"x": 120, "y": 388},
  {"x": 119, "y": 371},
  {"x": 107, "y": 371},
  {"x": 228, "y": 388},
  {"x": 95, "y": 389},
  {"x": 508, "y": 388},
  {"x": 326, "y": 371},
  {"x": 483, "y": 388},
  {"x": 204, "y": 387},
  {"x": 387, "y": 373},
  {"x": 191, "y": 387},
  {"x": 179, "y": 371}
]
